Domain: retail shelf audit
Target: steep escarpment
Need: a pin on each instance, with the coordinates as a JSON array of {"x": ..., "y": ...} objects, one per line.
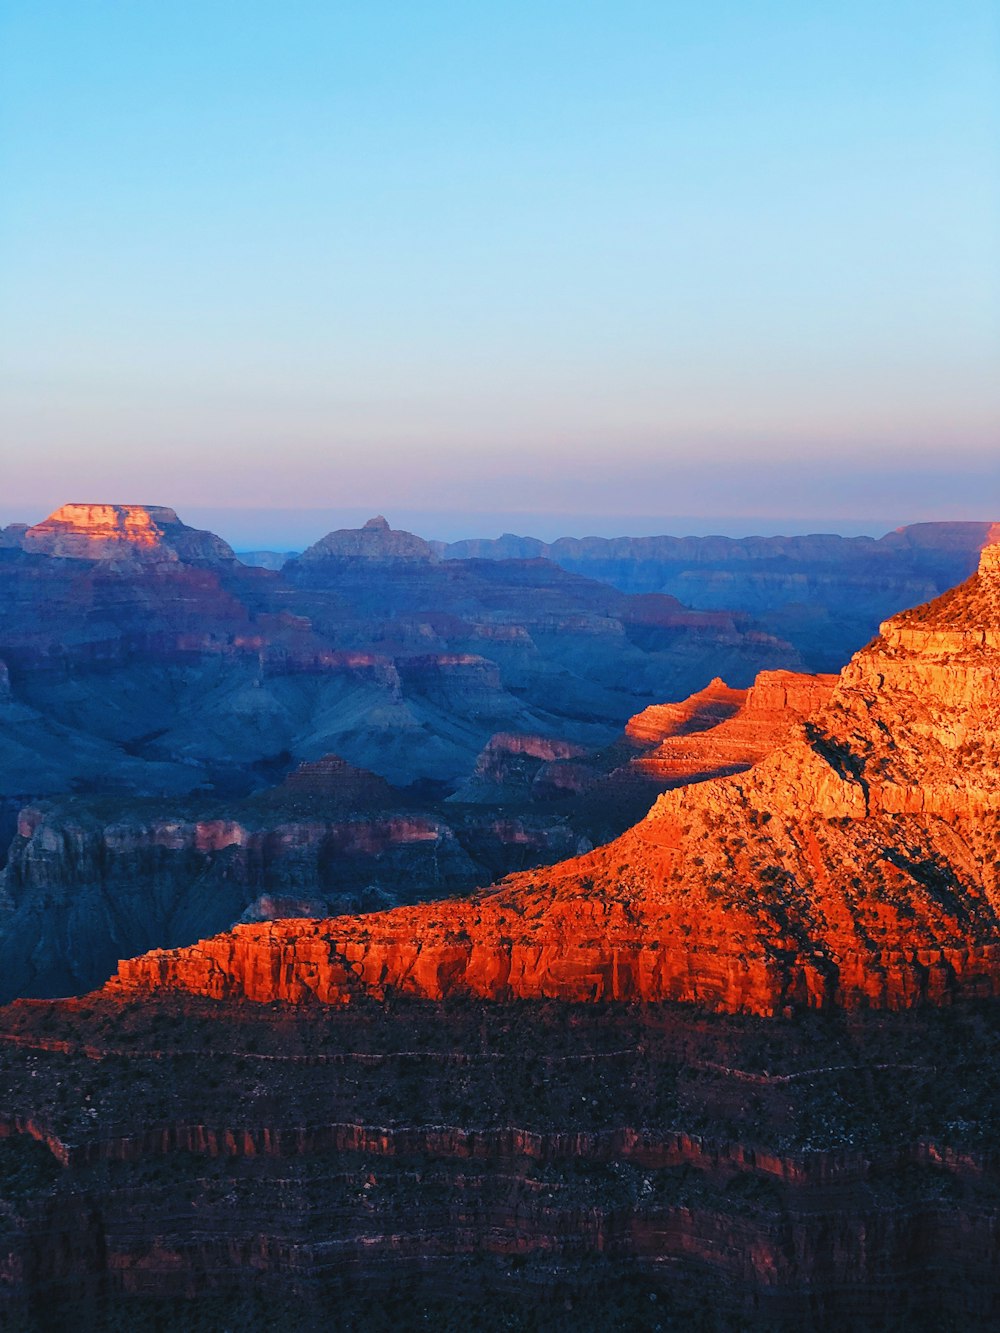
[
  {"x": 87, "y": 881},
  {"x": 855, "y": 866}
]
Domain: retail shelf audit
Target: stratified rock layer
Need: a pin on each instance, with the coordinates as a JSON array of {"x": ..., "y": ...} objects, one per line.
[
  {"x": 723, "y": 731},
  {"x": 857, "y": 865},
  {"x": 182, "y": 1165}
]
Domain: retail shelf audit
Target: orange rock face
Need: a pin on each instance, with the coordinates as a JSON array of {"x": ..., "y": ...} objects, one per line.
[
  {"x": 722, "y": 731},
  {"x": 115, "y": 532},
  {"x": 858, "y": 864},
  {"x": 716, "y": 703}
]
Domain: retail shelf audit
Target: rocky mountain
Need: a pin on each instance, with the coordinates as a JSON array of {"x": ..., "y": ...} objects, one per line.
[{"x": 855, "y": 866}]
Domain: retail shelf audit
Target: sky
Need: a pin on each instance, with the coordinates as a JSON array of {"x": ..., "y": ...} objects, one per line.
[{"x": 563, "y": 266}]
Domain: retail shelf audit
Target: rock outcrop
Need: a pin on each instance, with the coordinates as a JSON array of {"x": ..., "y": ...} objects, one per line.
[
  {"x": 698, "y": 712},
  {"x": 855, "y": 866},
  {"x": 122, "y": 532},
  {"x": 376, "y": 542},
  {"x": 722, "y": 731},
  {"x": 512, "y": 767}
]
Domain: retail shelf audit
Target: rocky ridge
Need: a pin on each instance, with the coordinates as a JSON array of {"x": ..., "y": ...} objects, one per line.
[
  {"x": 751, "y": 723},
  {"x": 88, "y": 879},
  {"x": 824, "y": 593}
]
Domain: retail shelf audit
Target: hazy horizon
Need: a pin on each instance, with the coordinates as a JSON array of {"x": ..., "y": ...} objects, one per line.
[{"x": 280, "y": 529}]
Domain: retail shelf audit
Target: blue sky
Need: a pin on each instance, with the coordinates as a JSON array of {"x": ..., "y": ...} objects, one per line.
[{"x": 558, "y": 260}]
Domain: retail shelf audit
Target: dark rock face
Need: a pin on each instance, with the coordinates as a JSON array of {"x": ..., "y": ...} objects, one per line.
[
  {"x": 86, "y": 883},
  {"x": 526, "y": 1166}
]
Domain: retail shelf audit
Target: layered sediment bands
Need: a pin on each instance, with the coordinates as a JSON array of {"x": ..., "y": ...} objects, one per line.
[
  {"x": 85, "y": 882},
  {"x": 509, "y": 1166},
  {"x": 857, "y": 865},
  {"x": 75, "y": 888},
  {"x": 742, "y": 726},
  {"x": 707, "y": 708}
]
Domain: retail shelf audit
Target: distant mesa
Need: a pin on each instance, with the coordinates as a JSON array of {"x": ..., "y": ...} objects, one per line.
[
  {"x": 150, "y": 533},
  {"x": 376, "y": 542}
]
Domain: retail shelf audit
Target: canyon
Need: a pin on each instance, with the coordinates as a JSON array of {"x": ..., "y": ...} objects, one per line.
[
  {"x": 857, "y": 864},
  {"x": 153, "y": 687},
  {"x": 719, "y": 1052},
  {"x": 139, "y": 655},
  {"x": 824, "y": 593},
  {"x": 89, "y": 879}
]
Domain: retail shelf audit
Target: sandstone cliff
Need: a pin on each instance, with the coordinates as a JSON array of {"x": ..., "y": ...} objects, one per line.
[
  {"x": 722, "y": 731},
  {"x": 856, "y": 865}
]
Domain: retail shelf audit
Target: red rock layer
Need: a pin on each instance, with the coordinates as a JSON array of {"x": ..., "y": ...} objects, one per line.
[
  {"x": 762, "y": 719},
  {"x": 714, "y": 704},
  {"x": 856, "y": 865}
]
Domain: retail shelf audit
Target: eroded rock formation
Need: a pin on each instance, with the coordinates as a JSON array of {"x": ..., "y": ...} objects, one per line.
[
  {"x": 722, "y": 731},
  {"x": 856, "y": 865},
  {"x": 122, "y": 532}
]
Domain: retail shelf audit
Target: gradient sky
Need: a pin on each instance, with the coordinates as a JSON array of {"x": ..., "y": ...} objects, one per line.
[{"x": 551, "y": 265}]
